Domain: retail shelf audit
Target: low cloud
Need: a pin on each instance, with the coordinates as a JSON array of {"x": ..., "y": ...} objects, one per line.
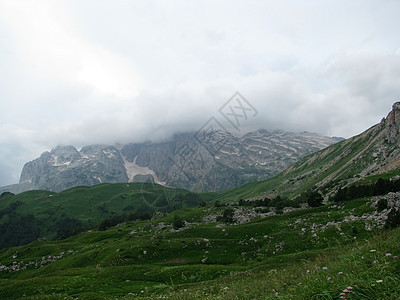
[{"x": 94, "y": 72}]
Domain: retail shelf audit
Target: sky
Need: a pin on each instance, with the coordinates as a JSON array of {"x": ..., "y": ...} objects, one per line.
[{"x": 104, "y": 72}]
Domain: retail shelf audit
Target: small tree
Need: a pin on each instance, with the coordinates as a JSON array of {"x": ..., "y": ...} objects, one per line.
[
  {"x": 382, "y": 204},
  {"x": 393, "y": 219},
  {"x": 227, "y": 217},
  {"x": 178, "y": 222},
  {"x": 105, "y": 224},
  {"x": 203, "y": 203},
  {"x": 381, "y": 187},
  {"x": 218, "y": 204},
  {"x": 314, "y": 199},
  {"x": 341, "y": 195}
]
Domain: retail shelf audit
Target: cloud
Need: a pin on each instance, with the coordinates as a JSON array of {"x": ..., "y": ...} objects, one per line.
[
  {"x": 373, "y": 77},
  {"x": 84, "y": 72},
  {"x": 17, "y": 146}
]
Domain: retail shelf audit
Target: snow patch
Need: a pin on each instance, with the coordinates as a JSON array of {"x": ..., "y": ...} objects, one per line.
[
  {"x": 229, "y": 153},
  {"x": 98, "y": 178},
  {"x": 57, "y": 164},
  {"x": 132, "y": 169},
  {"x": 109, "y": 154}
]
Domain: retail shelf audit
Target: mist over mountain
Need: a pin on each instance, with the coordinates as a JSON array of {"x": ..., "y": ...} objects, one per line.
[
  {"x": 202, "y": 161},
  {"x": 126, "y": 72}
]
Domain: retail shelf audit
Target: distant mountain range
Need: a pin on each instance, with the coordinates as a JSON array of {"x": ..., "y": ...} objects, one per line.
[{"x": 212, "y": 161}]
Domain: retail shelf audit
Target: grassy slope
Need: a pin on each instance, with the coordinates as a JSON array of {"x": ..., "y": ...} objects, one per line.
[
  {"x": 128, "y": 259},
  {"x": 358, "y": 271},
  {"x": 91, "y": 205},
  {"x": 366, "y": 154}
]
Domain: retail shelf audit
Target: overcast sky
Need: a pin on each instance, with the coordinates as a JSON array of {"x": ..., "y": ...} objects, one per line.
[{"x": 85, "y": 72}]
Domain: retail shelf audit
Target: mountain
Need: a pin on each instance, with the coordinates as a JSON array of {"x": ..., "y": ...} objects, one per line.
[
  {"x": 202, "y": 161},
  {"x": 359, "y": 159},
  {"x": 216, "y": 246}
]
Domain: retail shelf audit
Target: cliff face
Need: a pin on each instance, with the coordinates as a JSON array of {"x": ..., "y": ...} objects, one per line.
[
  {"x": 65, "y": 167},
  {"x": 218, "y": 162},
  {"x": 393, "y": 125}
]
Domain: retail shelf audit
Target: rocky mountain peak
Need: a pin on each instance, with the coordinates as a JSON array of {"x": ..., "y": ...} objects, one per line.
[
  {"x": 217, "y": 161},
  {"x": 62, "y": 154},
  {"x": 64, "y": 149},
  {"x": 393, "y": 125}
]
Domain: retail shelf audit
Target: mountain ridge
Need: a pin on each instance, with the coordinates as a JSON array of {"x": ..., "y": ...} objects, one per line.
[
  {"x": 217, "y": 162},
  {"x": 370, "y": 153}
]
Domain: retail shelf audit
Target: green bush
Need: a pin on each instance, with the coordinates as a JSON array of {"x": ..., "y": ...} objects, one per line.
[
  {"x": 178, "y": 222},
  {"x": 314, "y": 199},
  {"x": 393, "y": 219},
  {"x": 382, "y": 204}
]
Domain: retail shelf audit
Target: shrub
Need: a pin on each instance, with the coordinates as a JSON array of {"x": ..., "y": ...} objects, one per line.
[
  {"x": 178, "y": 222},
  {"x": 393, "y": 219},
  {"x": 227, "y": 216},
  {"x": 314, "y": 199},
  {"x": 218, "y": 204},
  {"x": 382, "y": 204}
]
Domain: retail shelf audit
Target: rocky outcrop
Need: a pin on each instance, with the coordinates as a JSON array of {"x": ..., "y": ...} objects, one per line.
[
  {"x": 217, "y": 162},
  {"x": 393, "y": 125},
  {"x": 65, "y": 167}
]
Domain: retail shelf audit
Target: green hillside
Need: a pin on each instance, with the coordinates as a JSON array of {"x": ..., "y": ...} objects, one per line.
[
  {"x": 41, "y": 214},
  {"x": 353, "y": 160},
  {"x": 210, "y": 257}
]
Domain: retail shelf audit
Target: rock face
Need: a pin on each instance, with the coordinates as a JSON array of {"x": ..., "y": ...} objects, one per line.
[
  {"x": 393, "y": 125},
  {"x": 215, "y": 162},
  {"x": 65, "y": 167}
]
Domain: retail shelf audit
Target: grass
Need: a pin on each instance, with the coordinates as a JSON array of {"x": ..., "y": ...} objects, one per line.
[
  {"x": 51, "y": 212},
  {"x": 95, "y": 202},
  {"x": 208, "y": 260},
  {"x": 359, "y": 271}
]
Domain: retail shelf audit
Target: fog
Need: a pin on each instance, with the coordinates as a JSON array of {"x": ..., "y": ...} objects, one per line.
[{"x": 105, "y": 72}]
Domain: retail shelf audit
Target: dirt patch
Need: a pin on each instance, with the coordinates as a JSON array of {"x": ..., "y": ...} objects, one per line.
[{"x": 176, "y": 261}]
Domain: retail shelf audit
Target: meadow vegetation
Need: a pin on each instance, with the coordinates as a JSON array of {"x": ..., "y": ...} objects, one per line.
[{"x": 340, "y": 250}]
